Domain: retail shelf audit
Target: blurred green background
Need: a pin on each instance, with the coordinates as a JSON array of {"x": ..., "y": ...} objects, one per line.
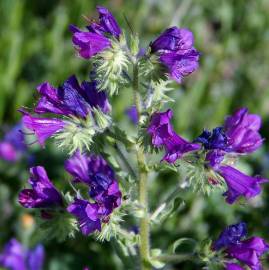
[{"x": 233, "y": 37}]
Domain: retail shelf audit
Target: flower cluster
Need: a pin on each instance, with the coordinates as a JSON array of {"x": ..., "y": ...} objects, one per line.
[
  {"x": 80, "y": 111},
  {"x": 17, "y": 257},
  {"x": 174, "y": 49},
  {"x": 13, "y": 146},
  {"x": 94, "y": 172},
  {"x": 216, "y": 149},
  {"x": 246, "y": 251}
]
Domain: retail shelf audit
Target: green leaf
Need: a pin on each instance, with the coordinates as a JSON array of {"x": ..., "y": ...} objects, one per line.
[{"x": 189, "y": 241}]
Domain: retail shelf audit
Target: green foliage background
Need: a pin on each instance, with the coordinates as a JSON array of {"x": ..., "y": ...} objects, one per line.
[{"x": 233, "y": 37}]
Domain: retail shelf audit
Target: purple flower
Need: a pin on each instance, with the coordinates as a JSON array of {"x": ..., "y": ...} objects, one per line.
[
  {"x": 242, "y": 130},
  {"x": 43, "y": 128},
  {"x": 132, "y": 114},
  {"x": 8, "y": 152},
  {"x": 95, "y": 41},
  {"x": 231, "y": 235},
  {"x": 35, "y": 258},
  {"x": 108, "y": 22},
  {"x": 246, "y": 251},
  {"x": 249, "y": 252},
  {"x": 13, "y": 145},
  {"x": 87, "y": 215},
  {"x": 173, "y": 39},
  {"x": 175, "y": 47},
  {"x": 240, "y": 184},
  {"x": 16, "y": 257},
  {"x": 233, "y": 266},
  {"x": 70, "y": 99},
  {"x": 214, "y": 158},
  {"x": 89, "y": 44},
  {"x": 213, "y": 140},
  {"x": 160, "y": 127},
  {"x": 103, "y": 189},
  {"x": 163, "y": 135},
  {"x": 176, "y": 146},
  {"x": 181, "y": 65},
  {"x": 84, "y": 168},
  {"x": 43, "y": 193}
]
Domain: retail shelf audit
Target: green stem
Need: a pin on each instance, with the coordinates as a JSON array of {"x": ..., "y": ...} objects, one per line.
[
  {"x": 125, "y": 161},
  {"x": 143, "y": 189}
]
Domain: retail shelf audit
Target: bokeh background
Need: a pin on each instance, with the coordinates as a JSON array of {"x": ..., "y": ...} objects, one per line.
[{"x": 233, "y": 37}]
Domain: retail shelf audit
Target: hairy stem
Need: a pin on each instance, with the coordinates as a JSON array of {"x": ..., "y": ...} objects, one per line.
[{"x": 143, "y": 189}]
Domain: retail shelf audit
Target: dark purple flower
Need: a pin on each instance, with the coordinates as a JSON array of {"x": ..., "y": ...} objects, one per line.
[
  {"x": 132, "y": 114},
  {"x": 180, "y": 65},
  {"x": 160, "y": 127},
  {"x": 95, "y": 41},
  {"x": 43, "y": 193},
  {"x": 173, "y": 39},
  {"x": 233, "y": 266},
  {"x": 240, "y": 184},
  {"x": 242, "y": 130},
  {"x": 71, "y": 98},
  {"x": 231, "y": 235},
  {"x": 96, "y": 98},
  {"x": 87, "y": 214},
  {"x": 16, "y": 257},
  {"x": 176, "y": 51},
  {"x": 99, "y": 176},
  {"x": 249, "y": 252},
  {"x": 43, "y": 128},
  {"x": 108, "y": 22},
  {"x": 176, "y": 146},
  {"x": 213, "y": 140},
  {"x": 84, "y": 168}
]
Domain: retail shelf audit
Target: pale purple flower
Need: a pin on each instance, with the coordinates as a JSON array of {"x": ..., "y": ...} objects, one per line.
[
  {"x": 17, "y": 257},
  {"x": 132, "y": 114},
  {"x": 43, "y": 193},
  {"x": 43, "y": 128},
  {"x": 13, "y": 146},
  {"x": 240, "y": 184}
]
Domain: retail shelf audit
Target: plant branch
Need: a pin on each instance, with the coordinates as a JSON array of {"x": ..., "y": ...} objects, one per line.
[{"x": 143, "y": 189}]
